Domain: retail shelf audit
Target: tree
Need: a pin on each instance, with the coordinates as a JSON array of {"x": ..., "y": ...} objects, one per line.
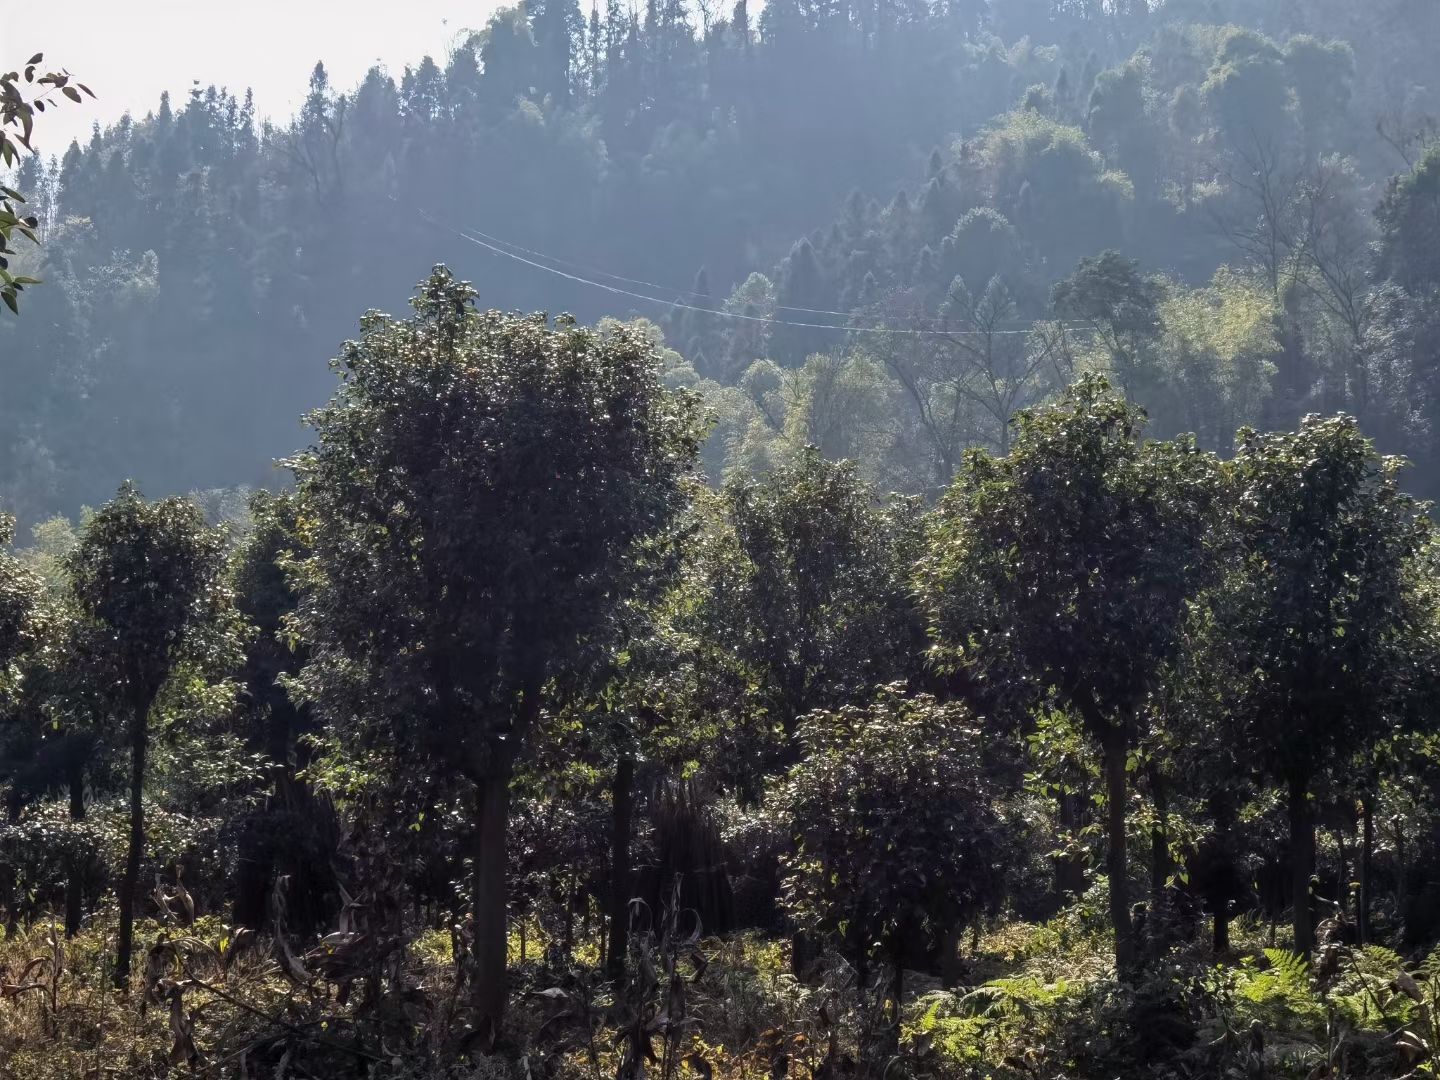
[
  {"x": 20, "y": 601},
  {"x": 1000, "y": 369},
  {"x": 1313, "y": 623},
  {"x": 1116, "y": 122},
  {"x": 148, "y": 582},
  {"x": 1248, "y": 93},
  {"x": 1323, "y": 74},
  {"x": 1074, "y": 559},
  {"x": 1409, "y": 220},
  {"x": 896, "y": 839},
  {"x": 1209, "y": 369},
  {"x": 283, "y": 838},
  {"x": 474, "y": 502},
  {"x": 1054, "y": 187},
  {"x": 17, "y": 123},
  {"x": 1121, "y": 306},
  {"x": 818, "y": 609}
]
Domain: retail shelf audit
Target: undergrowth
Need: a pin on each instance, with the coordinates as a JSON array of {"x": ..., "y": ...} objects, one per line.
[{"x": 213, "y": 1002}]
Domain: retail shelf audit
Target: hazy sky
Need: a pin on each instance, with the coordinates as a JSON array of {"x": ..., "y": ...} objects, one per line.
[{"x": 128, "y": 51}]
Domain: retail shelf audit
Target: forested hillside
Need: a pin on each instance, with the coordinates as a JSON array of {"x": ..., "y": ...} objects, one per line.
[
  {"x": 880, "y": 546},
  {"x": 1263, "y": 164}
]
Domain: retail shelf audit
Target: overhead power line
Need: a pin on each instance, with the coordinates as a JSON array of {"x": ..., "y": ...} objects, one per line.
[
  {"x": 493, "y": 245},
  {"x": 667, "y": 289}
]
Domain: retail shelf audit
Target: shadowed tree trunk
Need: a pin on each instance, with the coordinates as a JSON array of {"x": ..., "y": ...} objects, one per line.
[
  {"x": 491, "y": 870},
  {"x": 1302, "y": 865},
  {"x": 492, "y": 814},
  {"x": 952, "y": 968},
  {"x": 130, "y": 880},
  {"x": 1115, "y": 752},
  {"x": 897, "y": 994},
  {"x": 1367, "y": 868},
  {"x": 622, "y": 803},
  {"x": 255, "y": 873},
  {"x": 1220, "y": 883},
  {"x": 1160, "y": 863},
  {"x": 74, "y": 887},
  {"x": 1069, "y": 869}
]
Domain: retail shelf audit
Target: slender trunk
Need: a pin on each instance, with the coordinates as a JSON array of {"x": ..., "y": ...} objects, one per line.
[
  {"x": 491, "y": 869},
  {"x": 1160, "y": 864},
  {"x": 1220, "y": 891},
  {"x": 492, "y": 813},
  {"x": 897, "y": 992},
  {"x": 260, "y": 847},
  {"x": 799, "y": 954},
  {"x": 1367, "y": 855},
  {"x": 1222, "y": 927},
  {"x": 13, "y": 805},
  {"x": 1115, "y": 752},
  {"x": 1342, "y": 878},
  {"x": 74, "y": 887},
  {"x": 567, "y": 933},
  {"x": 951, "y": 968},
  {"x": 1302, "y": 865},
  {"x": 1069, "y": 869},
  {"x": 1402, "y": 876},
  {"x": 622, "y": 804},
  {"x": 130, "y": 880}
]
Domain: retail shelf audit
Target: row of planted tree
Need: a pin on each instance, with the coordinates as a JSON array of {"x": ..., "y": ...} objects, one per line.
[{"x": 500, "y": 634}]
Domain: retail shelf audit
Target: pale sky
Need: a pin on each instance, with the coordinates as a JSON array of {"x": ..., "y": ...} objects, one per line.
[{"x": 128, "y": 51}]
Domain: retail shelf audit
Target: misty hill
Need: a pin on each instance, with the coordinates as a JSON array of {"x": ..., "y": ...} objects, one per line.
[{"x": 818, "y": 165}]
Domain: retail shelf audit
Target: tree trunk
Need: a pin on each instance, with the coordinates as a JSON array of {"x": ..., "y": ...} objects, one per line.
[
  {"x": 567, "y": 934},
  {"x": 1220, "y": 893},
  {"x": 490, "y": 903},
  {"x": 1367, "y": 855},
  {"x": 952, "y": 969},
  {"x": 1069, "y": 869},
  {"x": 1160, "y": 864},
  {"x": 1115, "y": 752},
  {"x": 11, "y": 885},
  {"x": 130, "y": 881},
  {"x": 1302, "y": 866},
  {"x": 492, "y": 816},
  {"x": 1222, "y": 927},
  {"x": 622, "y": 805},
  {"x": 1342, "y": 877},
  {"x": 259, "y": 845},
  {"x": 897, "y": 992},
  {"x": 74, "y": 887}
]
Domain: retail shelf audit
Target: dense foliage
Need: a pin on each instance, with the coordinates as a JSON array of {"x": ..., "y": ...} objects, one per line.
[
  {"x": 796, "y": 177},
  {"x": 974, "y": 630}
]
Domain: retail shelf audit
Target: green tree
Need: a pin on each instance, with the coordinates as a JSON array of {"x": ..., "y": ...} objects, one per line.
[
  {"x": 1323, "y": 75},
  {"x": 23, "y": 96},
  {"x": 150, "y": 594},
  {"x": 1120, "y": 305},
  {"x": 1312, "y": 618},
  {"x": 1209, "y": 369},
  {"x": 474, "y": 502},
  {"x": 1074, "y": 558},
  {"x": 896, "y": 839},
  {"x": 1409, "y": 219},
  {"x": 1247, "y": 90},
  {"x": 819, "y": 608},
  {"x": 1117, "y": 123},
  {"x": 283, "y": 838}
]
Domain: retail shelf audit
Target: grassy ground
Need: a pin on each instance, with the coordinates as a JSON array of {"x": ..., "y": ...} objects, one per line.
[{"x": 1041, "y": 1002}]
